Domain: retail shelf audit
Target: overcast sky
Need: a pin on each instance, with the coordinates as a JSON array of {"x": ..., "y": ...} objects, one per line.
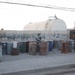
[{"x": 15, "y": 17}]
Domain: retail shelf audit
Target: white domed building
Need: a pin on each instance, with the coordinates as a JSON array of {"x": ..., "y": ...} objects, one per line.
[
  {"x": 55, "y": 27},
  {"x": 50, "y": 24}
]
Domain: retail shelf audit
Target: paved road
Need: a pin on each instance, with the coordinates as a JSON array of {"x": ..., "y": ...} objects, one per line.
[
  {"x": 51, "y": 74},
  {"x": 69, "y": 74},
  {"x": 24, "y": 62},
  {"x": 48, "y": 73}
]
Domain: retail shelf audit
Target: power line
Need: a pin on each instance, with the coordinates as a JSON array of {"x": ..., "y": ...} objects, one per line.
[{"x": 43, "y": 6}]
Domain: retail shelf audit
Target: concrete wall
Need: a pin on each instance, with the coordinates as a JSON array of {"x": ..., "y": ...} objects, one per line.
[{"x": 31, "y": 35}]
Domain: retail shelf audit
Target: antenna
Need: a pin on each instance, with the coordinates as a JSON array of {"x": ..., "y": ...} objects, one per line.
[
  {"x": 55, "y": 16},
  {"x": 52, "y": 17}
]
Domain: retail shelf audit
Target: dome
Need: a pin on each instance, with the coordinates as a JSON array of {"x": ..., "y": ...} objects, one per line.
[
  {"x": 35, "y": 26},
  {"x": 50, "y": 24}
]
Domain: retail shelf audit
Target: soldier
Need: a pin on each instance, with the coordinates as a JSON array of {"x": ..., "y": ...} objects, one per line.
[{"x": 38, "y": 40}]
